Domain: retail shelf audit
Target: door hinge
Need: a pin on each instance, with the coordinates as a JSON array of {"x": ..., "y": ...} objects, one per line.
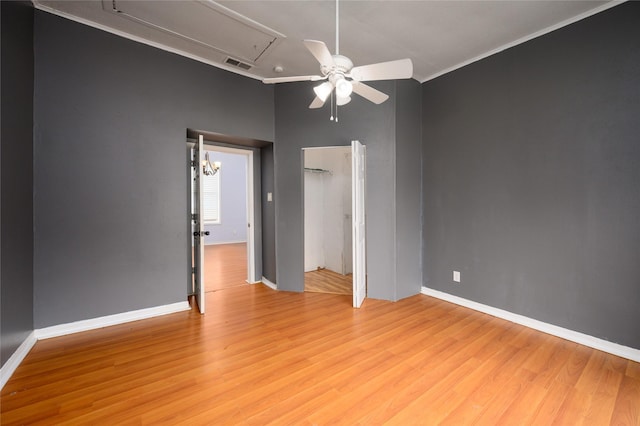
[
  {"x": 194, "y": 163},
  {"x": 193, "y": 269}
]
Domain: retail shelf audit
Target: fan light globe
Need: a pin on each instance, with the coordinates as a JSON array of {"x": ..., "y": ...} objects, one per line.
[
  {"x": 343, "y": 101},
  {"x": 323, "y": 90},
  {"x": 343, "y": 88}
]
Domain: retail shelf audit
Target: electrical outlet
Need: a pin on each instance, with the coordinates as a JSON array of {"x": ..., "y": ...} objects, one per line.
[{"x": 456, "y": 276}]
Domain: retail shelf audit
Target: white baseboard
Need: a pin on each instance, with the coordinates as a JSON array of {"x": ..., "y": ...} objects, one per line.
[
  {"x": 564, "y": 333},
  {"x": 14, "y": 360},
  {"x": 94, "y": 323},
  {"x": 74, "y": 327},
  {"x": 269, "y": 284}
]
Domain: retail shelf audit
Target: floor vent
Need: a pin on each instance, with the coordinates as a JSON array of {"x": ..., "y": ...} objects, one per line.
[{"x": 238, "y": 64}]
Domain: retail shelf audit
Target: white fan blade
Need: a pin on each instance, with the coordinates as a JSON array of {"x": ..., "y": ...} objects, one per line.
[
  {"x": 392, "y": 70},
  {"x": 317, "y": 103},
  {"x": 321, "y": 52},
  {"x": 291, "y": 79},
  {"x": 369, "y": 93}
]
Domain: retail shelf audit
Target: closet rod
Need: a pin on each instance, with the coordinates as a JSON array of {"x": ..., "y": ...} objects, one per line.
[{"x": 312, "y": 170}]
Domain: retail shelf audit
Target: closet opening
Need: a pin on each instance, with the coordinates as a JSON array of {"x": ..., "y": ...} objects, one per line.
[
  {"x": 328, "y": 259},
  {"x": 334, "y": 220}
]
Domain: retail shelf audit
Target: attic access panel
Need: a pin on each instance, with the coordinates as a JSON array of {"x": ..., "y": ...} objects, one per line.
[{"x": 203, "y": 22}]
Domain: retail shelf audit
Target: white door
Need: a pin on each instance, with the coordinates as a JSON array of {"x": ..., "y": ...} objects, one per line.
[
  {"x": 198, "y": 227},
  {"x": 358, "y": 175}
]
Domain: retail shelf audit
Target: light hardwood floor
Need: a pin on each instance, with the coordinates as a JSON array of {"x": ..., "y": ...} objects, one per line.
[
  {"x": 326, "y": 281},
  {"x": 265, "y": 357},
  {"x": 225, "y": 265}
]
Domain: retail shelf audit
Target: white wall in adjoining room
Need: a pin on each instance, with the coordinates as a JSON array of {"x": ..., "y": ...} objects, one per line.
[
  {"x": 328, "y": 209},
  {"x": 233, "y": 200},
  {"x": 313, "y": 221}
]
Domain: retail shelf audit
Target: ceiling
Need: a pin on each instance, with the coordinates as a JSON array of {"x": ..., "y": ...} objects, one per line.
[{"x": 438, "y": 36}]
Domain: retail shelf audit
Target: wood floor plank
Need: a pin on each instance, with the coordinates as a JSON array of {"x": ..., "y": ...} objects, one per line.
[
  {"x": 575, "y": 365},
  {"x": 497, "y": 373},
  {"x": 266, "y": 357},
  {"x": 627, "y": 406},
  {"x": 225, "y": 265},
  {"x": 327, "y": 281},
  {"x": 436, "y": 397},
  {"x": 633, "y": 370},
  {"x": 572, "y": 411},
  {"x": 547, "y": 411},
  {"x": 374, "y": 393}
]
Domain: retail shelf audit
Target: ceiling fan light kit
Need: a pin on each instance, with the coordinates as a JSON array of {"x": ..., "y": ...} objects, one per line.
[
  {"x": 343, "y": 88},
  {"x": 341, "y": 76},
  {"x": 343, "y": 101},
  {"x": 323, "y": 91}
]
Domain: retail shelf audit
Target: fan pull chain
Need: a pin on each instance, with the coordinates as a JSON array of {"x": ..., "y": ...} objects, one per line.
[{"x": 331, "y": 103}]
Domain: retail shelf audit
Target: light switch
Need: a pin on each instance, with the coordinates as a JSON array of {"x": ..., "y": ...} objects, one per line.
[{"x": 269, "y": 196}]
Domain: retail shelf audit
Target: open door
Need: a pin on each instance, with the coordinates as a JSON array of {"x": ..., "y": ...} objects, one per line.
[
  {"x": 358, "y": 175},
  {"x": 198, "y": 224}
]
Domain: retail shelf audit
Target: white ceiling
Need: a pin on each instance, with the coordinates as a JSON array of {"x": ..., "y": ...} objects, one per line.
[{"x": 438, "y": 36}]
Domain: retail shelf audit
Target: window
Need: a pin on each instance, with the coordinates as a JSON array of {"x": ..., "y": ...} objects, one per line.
[{"x": 211, "y": 197}]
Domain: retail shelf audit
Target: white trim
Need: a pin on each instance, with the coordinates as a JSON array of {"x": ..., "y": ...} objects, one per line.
[
  {"x": 224, "y": 242},
  {"x": 252, "y": 233},
  {"x": 564, "y": 333},
  {"x": 94, "y": 323},
  {"x": 526, "y": 38},
  {"x": 16, "y": 358},
  {"x": 269, "y": 284},
  {"x": 138, "y": 39},
  {"x": 227, "y": 150}
]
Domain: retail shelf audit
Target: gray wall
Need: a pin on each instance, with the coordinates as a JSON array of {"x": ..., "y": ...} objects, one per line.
[
  {"x": 408, "y": 197},
  {"x": 375, "y": 126},
  {"x": 110, "y": 124},
  {"x": 16, "y": 253},
  {"x": 532, "y": 178}
]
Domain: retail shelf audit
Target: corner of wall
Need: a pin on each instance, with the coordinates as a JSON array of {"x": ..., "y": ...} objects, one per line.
[{"x": 408, "y": 189}]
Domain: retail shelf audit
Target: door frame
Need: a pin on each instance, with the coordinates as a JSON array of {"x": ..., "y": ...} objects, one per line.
[
  {"x": 251, "y": 148},
  {"x": 358, "y": 221}
]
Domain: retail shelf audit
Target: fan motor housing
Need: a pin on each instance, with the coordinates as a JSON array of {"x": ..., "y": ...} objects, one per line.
[{"x": 341, "y": 65}]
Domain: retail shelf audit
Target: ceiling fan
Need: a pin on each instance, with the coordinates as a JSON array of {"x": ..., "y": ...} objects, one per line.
[{"x": 340, "y": 75}]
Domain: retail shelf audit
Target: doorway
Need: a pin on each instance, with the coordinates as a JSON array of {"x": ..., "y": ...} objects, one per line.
[
  {"x": 202, "y": 215},
  {"x": 226, "y": 217},
  {"x": 334, "y": 220}
]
